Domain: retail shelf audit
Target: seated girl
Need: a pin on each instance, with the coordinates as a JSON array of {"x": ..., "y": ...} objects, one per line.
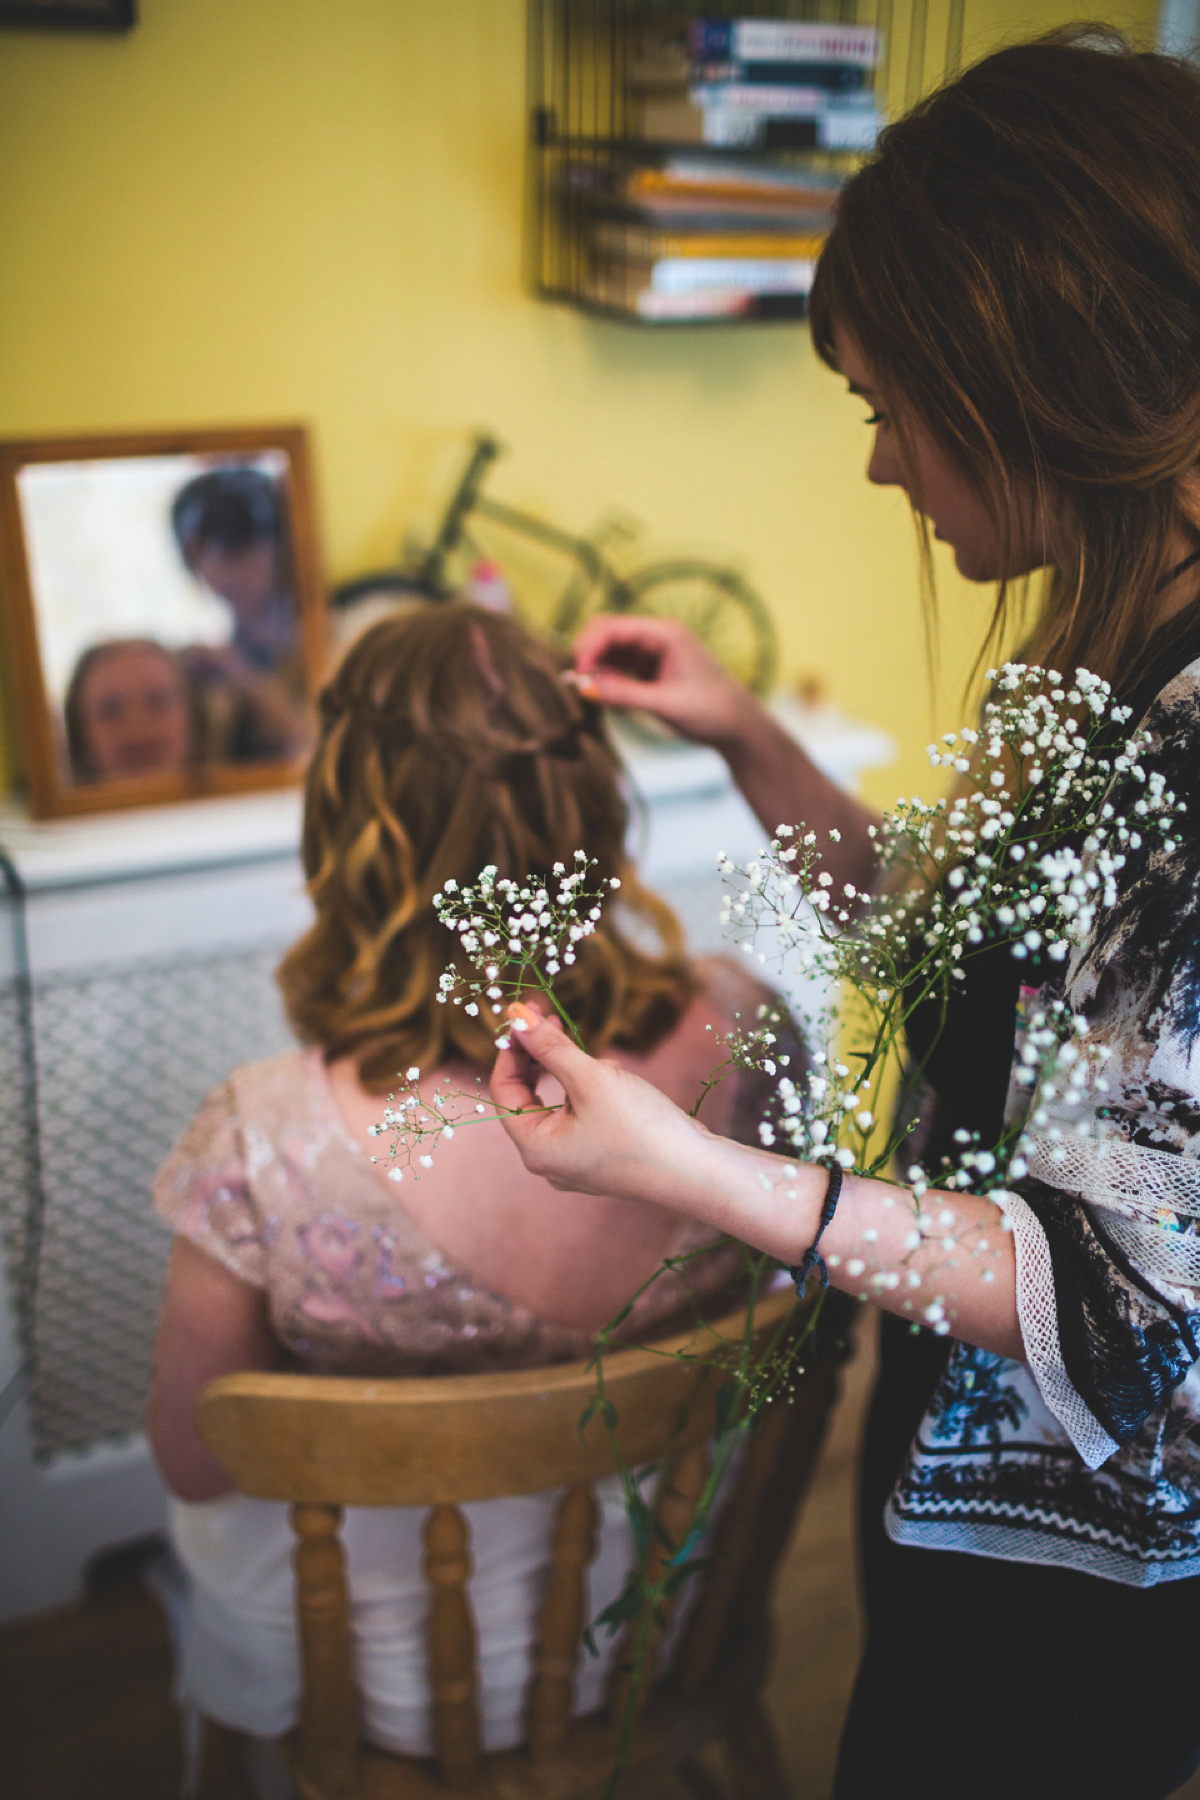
[{"x": 448, "y": 741}]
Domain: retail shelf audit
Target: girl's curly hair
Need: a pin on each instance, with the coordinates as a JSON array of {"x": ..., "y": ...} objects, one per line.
[{"x": 449, "y": 740}]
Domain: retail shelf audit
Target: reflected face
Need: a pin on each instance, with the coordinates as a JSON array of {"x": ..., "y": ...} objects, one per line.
[
  {"x": 955, "y": 511},
  {"x": 248, "y": 579},
  {"x": 133, "y": 712}
]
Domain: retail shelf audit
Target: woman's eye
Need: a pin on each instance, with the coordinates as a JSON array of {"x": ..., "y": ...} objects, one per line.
[{"x": 875, "y": 418}]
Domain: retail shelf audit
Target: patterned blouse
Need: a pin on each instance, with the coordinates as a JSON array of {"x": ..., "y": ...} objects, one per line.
[{"x": 1088, "y": 1454}]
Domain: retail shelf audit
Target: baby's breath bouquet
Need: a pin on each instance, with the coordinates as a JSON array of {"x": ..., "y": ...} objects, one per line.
[{"x": 1048, "y": 799}]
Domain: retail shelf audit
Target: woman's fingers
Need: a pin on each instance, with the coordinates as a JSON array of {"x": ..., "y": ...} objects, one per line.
[
  {"x": 516, "y": 1071},
  {"x": 613, "y": 1133},
  {"x": 638, "y": 645},
  {"x": 657, "y": 665}
]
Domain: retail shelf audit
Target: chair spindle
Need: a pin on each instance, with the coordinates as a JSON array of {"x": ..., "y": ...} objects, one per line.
[
  {"x": 561, "y": 1622},
  {"x": 452, "y": 1658},
  {"x": 328, "y": 1733},
  {"x": 681, "y": 1487}
]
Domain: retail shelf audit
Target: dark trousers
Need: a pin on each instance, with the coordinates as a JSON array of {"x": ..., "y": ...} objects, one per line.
[{"x": 985, "y": 1679}]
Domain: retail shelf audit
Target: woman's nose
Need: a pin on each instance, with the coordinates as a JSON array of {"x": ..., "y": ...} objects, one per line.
[{"x": 884, "y": 467}]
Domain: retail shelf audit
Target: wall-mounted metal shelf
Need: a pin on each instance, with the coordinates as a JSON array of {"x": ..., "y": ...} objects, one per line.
[{"x": 684, "y": 162}]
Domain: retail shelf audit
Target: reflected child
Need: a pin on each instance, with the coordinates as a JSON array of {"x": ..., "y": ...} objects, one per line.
[{"x": 127, "y": 712}]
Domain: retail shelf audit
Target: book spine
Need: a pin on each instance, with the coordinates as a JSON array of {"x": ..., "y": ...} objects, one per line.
[
  {"x": 679, "y": 275},
  {"x": 837, "y": 78},
  {"x": 771, "y": 102},
  {"x": 846, "y": 130},
  {"x": 782, "y": 40},
  {"x": 636, "y": 244},
  {"x": 682, "y": 172},
  {"x": 697, "y": 303}
]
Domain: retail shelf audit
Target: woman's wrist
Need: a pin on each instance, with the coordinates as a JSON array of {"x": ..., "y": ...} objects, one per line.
[
  {"x": 746, "y": 734},
  {"x": 741, "y": 1191}
]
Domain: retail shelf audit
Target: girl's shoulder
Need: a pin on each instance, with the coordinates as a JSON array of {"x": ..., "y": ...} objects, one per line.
[
  {"x": 284, "y": 1087},
  {"x": 240, "y": 1127}
]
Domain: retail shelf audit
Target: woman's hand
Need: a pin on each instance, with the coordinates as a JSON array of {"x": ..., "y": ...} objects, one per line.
[
  {"x": 659, "y": 667},
  {"x": 613, "y": 1133}
]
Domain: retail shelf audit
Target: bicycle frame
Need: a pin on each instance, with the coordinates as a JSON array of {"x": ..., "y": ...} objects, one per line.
[
  {"x": 726, "y": 592},
  {"x": 468, "y": 499}
]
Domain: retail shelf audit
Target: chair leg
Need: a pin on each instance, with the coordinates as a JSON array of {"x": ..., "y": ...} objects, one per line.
[{"x": 223, "y": 1771}]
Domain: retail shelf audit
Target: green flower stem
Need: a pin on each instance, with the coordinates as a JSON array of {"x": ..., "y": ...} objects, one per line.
[{"x": 728, "y": 1441}]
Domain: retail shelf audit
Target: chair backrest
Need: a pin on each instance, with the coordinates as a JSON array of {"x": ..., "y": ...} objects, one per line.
[{"x": 323, "y": 1442}]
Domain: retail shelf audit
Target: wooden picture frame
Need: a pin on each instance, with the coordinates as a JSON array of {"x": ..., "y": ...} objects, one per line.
[
  {"x": 70, "y": 15},
  {"x": 54, "y": 784}
]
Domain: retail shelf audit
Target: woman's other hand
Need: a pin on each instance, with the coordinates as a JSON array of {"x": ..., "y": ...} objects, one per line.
[
  {"x": 612, "y": 1133},
  {"x": 658, "y": 666}
]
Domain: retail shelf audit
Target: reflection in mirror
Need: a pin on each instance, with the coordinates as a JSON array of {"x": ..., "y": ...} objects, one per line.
[
  {"x": 163, "y": 595},
  {"x": 168, "y": 611}
]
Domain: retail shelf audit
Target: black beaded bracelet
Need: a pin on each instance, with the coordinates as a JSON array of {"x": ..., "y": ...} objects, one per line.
[{"x": 812, "y": 1258}]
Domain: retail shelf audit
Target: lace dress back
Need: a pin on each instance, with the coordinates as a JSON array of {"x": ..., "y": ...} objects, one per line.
[{"x": 268, "y": 1181}]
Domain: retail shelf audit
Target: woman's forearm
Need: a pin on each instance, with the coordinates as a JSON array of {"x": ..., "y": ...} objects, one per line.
[
  {"x": 628, "y": 660},
  {"x": 946, "y": 1261},
  {"x": 783, "y": 786}
]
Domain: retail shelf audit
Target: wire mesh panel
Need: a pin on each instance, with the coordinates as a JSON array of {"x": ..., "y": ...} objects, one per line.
[
  {"x": 123, "y": 1056},
  {"x": 685, "y": 161}
]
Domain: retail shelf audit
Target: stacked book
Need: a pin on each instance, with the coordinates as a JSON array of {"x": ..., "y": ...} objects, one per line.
[
  {"x": 769, "y": 84},
  {"x": 693, "y": 218},
  {"x": 706, "y": 237}
]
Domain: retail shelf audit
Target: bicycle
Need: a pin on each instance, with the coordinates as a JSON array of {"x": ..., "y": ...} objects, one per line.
[{"x": 716, "y": 602}]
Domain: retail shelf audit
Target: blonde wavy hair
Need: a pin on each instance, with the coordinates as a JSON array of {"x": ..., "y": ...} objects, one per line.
[{"x": 448, "y": 741}]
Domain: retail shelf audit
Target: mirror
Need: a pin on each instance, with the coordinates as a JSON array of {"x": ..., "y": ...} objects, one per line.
[{"x": 163, "y": 602}]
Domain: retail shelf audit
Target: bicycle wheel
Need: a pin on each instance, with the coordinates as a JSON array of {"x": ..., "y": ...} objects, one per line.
[{"x": 716, "y": 604}]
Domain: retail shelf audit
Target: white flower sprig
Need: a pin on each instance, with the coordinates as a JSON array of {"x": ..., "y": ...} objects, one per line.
[
  {"x": 418, "y": 1124},
  {"x": 518, "y": 936},
  {"x": 1050, "y": 801}
]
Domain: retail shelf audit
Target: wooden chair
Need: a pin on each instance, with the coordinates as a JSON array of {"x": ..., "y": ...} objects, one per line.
[{"x": 323, "y": 1443}]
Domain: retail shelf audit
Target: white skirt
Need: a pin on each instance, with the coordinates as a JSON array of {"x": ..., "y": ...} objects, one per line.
[{"x": 240, "y": 1660}]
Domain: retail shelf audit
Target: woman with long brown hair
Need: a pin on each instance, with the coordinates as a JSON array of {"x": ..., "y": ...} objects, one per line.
[
  {"x": 1013, "y": 287},
  {"x": 448, "y": 741}
]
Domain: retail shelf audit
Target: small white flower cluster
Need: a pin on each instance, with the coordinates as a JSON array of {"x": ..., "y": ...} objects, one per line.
[
  {"x": 517, "y": 936},
  {"x": 815, "y": 1115},
  {"x": 1061, "y": 1067},
  {"x": 1054, "y": 775},
  {"x": 418, "y": 1124}
]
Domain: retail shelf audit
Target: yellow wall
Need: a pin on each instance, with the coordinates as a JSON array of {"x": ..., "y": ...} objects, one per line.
[{"x": 275, "y": 209}]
